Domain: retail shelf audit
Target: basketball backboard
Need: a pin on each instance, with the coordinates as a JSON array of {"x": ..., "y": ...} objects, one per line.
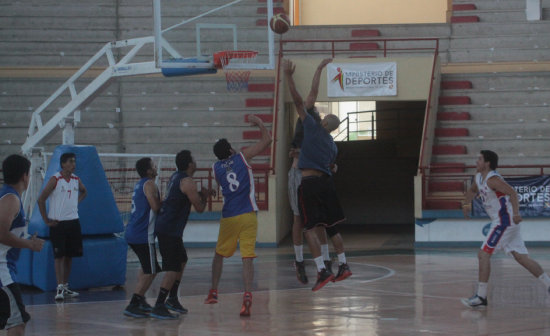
[{"x": 188, "y": 32}]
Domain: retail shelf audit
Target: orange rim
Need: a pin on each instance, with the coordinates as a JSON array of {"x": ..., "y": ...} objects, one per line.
[{"x": 222, "y": 57}]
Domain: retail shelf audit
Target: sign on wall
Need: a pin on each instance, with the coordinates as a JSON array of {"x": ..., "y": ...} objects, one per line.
[
  {"x": 533, "y": 193},
  {"x": 361, "y": 79}
]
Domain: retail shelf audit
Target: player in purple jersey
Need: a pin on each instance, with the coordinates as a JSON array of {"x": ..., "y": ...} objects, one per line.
[{"x": 238, "y": 223}]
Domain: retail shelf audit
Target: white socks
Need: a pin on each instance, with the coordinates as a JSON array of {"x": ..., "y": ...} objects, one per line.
[
  {"x": 324, "y": 252},
  {"x": 320, "y": 263},
  {"x": 482, "y": 289},
  {"x": 342, "y": 258},
  {"x": 299, "y": 251}
]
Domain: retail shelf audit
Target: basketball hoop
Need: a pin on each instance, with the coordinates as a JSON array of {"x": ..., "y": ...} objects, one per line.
[{"x": 233, "y": 63}]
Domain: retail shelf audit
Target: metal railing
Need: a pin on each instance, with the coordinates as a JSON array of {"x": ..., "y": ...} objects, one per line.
[
  {"x": 370, "y": 129},
  {"x": 122, "y": 186},
  {"x": 466, "y": 177}
]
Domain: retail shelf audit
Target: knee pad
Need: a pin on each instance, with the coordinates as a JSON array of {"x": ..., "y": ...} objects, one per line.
[{"x": 332, "y": 231}]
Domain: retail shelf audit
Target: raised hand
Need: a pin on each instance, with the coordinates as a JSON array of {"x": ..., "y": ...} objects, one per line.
[
  {"x": 288, "y": 67},
  {"x": 254, "y": 120}
]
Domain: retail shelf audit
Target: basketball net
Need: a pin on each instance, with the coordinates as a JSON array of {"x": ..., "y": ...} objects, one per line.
[{"x": 237, "y": 79}]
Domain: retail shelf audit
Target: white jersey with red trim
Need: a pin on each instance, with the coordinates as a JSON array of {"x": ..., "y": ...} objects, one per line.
[
  {"x": 63, "y": 201},
  {"x": 496, "y": 204}
]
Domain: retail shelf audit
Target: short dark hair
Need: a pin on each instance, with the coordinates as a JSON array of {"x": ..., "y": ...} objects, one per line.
[
  {"x": 491, "y": 157},
  {"x": 143, "y": 165},
  {"x": 222, "y": 149},
  {"x": 14, "y": 167},
  {"x": 66, "y": 156},
  {"x": 183, "y": 159}
]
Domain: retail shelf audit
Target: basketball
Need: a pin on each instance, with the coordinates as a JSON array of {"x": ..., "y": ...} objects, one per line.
[{"x": 280, "y": 23}]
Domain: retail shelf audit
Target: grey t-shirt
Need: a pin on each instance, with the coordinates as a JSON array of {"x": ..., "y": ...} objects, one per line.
[{"x": 318, "y": 148}]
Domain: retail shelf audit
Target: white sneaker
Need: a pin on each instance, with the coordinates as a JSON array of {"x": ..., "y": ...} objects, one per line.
[
  {"x": 475, "y": 302},
  {"x": 60, "y": 295},
  {"x": 69, "y": 293}
]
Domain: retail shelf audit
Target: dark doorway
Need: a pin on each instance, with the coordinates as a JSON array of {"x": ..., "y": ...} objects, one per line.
[{"x": 375, "y": 177}]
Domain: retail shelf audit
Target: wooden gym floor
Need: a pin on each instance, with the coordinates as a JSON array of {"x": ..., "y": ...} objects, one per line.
[{"x": 394, "y": 290}]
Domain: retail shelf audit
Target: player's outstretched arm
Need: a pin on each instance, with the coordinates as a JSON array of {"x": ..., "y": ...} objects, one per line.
[
  {"x": 469, "y": 197},
  {"x": 498, "y": 184},
  {"x": 314, "y": 92},
  {"x": 288, "y": 68},
  {"x": 9, "y": 209},
  {"x": 262, "y": 144}
]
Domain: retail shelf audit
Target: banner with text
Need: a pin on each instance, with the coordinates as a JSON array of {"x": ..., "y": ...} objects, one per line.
[
  {"x": 533, "y": 193},
  {"x": 361, "y": 79}
]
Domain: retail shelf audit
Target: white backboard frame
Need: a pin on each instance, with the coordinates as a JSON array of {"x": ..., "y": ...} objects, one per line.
[{"x": 163, "y": 47}]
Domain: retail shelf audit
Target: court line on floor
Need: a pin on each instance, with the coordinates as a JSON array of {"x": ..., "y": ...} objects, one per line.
[{"x": 391, "y": 272}]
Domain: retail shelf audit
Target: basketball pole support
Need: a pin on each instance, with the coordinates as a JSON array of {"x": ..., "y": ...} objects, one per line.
[{"x": 68, "y": 116}]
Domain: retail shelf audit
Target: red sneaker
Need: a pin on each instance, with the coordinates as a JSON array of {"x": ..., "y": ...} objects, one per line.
[
  {"x": 247, "y": 303},
  {"x": 323, "y": 278},
  {"x": 343, "y": 272},
  {"x": 212, "y": 297}
]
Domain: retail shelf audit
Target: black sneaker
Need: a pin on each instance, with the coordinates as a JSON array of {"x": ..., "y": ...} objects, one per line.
[
  {"x": 343, "y": 272},
  {"x": 133, "y": 310},
  {"x": 301, "y": 271},
  {"x": 323, "y": 278},
  {"x": 175, "y": 305},
  {"x": 475, "y": 302},
  {"x": 328, "y": 265},
  {"x": 144, "y": 306},
  {"x": 161, "y": 312}
]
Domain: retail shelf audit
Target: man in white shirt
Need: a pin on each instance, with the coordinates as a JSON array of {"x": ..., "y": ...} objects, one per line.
[
  {"x": 65, "y": 191},
  {"x": 500, "y": 201}
]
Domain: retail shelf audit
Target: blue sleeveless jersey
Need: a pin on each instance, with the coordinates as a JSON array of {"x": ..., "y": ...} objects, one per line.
[
  {"x": 8, "y": 254},
  {"x": 235, "y": 178},
  {"x": 175, "y": 208},
  {"x": 142, "y": 219}
]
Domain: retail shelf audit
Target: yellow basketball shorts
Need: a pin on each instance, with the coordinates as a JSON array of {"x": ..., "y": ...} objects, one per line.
[{"x": 241, "y": 229}]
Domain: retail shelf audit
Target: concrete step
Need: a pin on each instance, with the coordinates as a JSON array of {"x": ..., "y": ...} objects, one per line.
[
  {"x": 501, "y": 41},
  {"x": 453, "y": 116},
  {"x": 448, "y": 168},
  {"x": 532, "y": 146},
  {"x": 491, "y": 129},
  {"x": 445, "y": 186},
  {"x": 189, "y": 84},
  {"x": 500, "y": 97},
  {"x": 219, "y": 117},
  {"x": 497, "y": 81},
  {"x": 447, "y": 148},
  {"x": 495, "y": 15},
  {"x": 492, "y": 55},
  {"x": 500, "y": 28},
  {"x": 465, "y": 19},
  {"x": 454, "y": 100},
  {"x": 70, "y": 10},
  {"x": 438, "y": 204},
  {"x": 497, "y": 4},
  {"x": 386, "y": 31},
  {"x": 451, "y": 131},
  {"x": 454, "y": 85},
  {"x": 68, "y": 23},
  {"x": 493, "y": 113}
]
